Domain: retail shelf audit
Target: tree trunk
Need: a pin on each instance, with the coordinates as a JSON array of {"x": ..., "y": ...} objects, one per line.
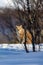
[
  {"x": 30, "y": 26},
  {"x": 25, "y": 42}
]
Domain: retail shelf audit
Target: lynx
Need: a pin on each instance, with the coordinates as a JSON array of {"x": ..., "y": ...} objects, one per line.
[{"x": 21, "y": 35}]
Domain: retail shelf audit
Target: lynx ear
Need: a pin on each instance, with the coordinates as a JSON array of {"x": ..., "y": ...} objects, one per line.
[
  {"x": 16, "y": 26},
  {"x": 20, "y": 25}
]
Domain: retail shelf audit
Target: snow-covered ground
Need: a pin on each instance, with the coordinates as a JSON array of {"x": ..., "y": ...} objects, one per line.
[
  {"x": 20, "y": 57},
  {"x": 14, "y": 54},
  {"x": 21, "y": 46}
]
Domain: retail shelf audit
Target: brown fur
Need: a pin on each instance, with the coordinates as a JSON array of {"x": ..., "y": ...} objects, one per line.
[{"x": 21, "y": 34}]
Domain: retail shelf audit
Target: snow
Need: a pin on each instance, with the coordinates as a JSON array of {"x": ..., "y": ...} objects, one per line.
[
  {"x": 14, "y": 54},
  {"x": 21, "y": 46},
  {"x": 20, "y": 57}
]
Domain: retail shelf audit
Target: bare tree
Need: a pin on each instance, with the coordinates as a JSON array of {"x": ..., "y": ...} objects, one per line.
[{"x": 30, "y": 18}]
